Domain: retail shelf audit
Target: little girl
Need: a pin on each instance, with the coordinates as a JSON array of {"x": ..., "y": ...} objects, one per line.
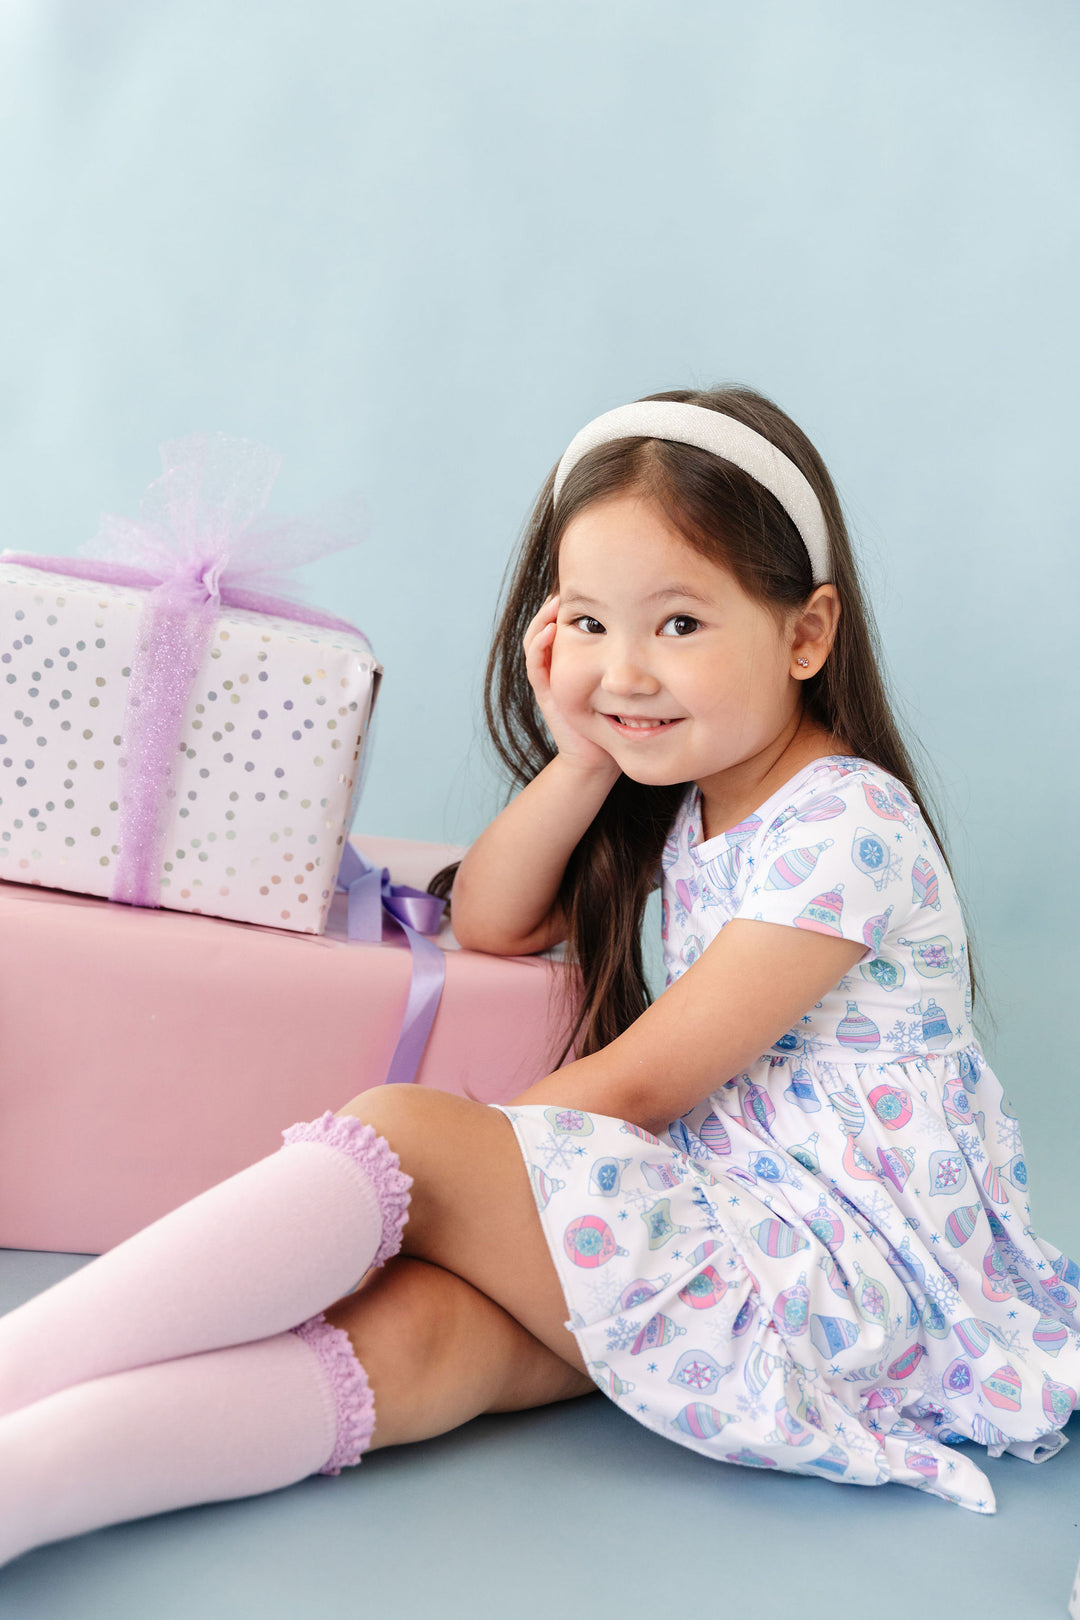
[{"x": 785, "y": 1205}]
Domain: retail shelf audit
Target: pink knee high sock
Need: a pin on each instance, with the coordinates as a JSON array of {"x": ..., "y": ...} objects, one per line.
[
  {"x": 251, "y": 1257},
  {"x": 204, "y": 1428}
]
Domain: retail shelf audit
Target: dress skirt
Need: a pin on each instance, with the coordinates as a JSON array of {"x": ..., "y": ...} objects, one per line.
[{"x": 844, "y": 1301}]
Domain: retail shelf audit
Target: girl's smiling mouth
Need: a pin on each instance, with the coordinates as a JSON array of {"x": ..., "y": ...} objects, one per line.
[{"x": 639, "y": 726}]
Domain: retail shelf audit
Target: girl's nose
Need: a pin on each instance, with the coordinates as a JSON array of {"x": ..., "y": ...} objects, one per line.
[{"x": 627, "y": 676}]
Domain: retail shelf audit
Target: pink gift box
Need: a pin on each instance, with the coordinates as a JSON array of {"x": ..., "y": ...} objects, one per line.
[{"x": 146, "y": 1055}]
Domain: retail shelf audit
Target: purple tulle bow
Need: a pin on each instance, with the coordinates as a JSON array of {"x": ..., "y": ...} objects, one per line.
[{"x": 194, "y": 549}]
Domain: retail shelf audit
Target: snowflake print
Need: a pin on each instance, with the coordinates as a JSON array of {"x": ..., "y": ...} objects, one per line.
[
  {"x": 602, "y": 1292},
  {"x": 750, "y": 1407},
  {"x": 713, "y": 902},
  {"x": 969, "y": 1146},
  {"x": 715, "y": 1330},
  {"x": 905, "y": 1035},
  {"x": 560, "y": 1151},
  {"x": 941, "y": 1291},
  {"x": 638, "y": 1200},
  {"x": 810, "y": 1044},
  {"x": 928, "y": 1124},
  {"x": 1008, "y": 1135},
  {"x": 622, "y": 1333},
  {"x": 876, "y": 1209}
]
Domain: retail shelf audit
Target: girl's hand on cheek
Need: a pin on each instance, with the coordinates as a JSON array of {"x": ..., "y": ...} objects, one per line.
[{"x": 572, "y": 746}]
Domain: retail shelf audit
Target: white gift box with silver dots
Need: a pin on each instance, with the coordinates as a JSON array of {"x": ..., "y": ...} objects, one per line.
[{"x": 272, "y": 747}]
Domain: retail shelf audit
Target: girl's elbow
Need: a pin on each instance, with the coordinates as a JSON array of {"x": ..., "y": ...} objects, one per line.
[{"x": 474, "y": 933}]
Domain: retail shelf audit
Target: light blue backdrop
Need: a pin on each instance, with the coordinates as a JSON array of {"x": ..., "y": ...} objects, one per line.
[{"x": 414, "y": 246}]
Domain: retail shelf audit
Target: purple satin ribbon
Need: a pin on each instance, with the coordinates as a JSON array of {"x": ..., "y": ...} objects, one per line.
[
  {"x": 375, "y": 901},
  {"x": 194, "y": 552}
]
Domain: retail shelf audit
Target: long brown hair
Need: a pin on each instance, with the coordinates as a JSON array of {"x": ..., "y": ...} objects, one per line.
[{"x": 728, "y": 517}]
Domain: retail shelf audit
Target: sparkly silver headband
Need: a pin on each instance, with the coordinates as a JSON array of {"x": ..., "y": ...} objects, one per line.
[{"x": 724, "y": 436}]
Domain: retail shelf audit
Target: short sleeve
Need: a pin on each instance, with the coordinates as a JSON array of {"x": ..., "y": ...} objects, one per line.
[{"x": 850, "y": 860}]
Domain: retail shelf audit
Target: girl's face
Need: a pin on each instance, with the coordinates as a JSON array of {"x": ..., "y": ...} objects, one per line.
[{"x": 660, "y": 656}]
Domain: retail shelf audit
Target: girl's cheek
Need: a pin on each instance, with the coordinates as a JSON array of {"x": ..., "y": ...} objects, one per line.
[{"x": 565, "y": 674}]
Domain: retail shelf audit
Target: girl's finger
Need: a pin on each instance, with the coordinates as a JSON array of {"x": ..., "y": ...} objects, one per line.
[
  {"x": 545, "y": 614},
  {"x": 537, "y": 627},
  {"x": 537, "y": 651}
]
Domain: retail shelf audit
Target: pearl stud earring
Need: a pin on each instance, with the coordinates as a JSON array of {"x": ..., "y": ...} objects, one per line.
[{"x": 803, "y": 661}]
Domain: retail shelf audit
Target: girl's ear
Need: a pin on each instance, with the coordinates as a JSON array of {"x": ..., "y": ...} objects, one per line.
[{"x": 813, "y": 632}]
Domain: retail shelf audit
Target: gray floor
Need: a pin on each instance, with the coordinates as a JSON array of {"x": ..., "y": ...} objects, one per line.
[{"x": 569, "y": 1511}]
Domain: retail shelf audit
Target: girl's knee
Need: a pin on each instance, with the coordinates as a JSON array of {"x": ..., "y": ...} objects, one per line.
[
  {"x": 387, "y": 1106},
  {"x": 418, "y": 1122}
]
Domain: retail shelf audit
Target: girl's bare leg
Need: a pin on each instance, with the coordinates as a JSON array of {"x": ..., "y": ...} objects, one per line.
[
  {"x": 438, "y": 1352},
  {"x": 472, "y": 1210}
]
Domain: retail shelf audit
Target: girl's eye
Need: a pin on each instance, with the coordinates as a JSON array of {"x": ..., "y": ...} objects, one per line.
[
  {"x": 683, "y": 624},
  {"x": 591, "y": 627}
]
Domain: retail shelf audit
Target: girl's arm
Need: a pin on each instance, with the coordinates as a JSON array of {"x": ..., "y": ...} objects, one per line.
[
  {"x": 504, "y": 896},
  {"x": 750, "y": 985},
  {"x": 505, "y": 888}
]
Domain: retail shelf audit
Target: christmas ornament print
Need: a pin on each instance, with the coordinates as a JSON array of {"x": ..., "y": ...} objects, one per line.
[
  {"x": 826, "y": 1224},
  {"x": 569, "y": 1121},
  {"x": 696, "y": 1370},
  {"x": 883, "y": 971},
  {"x": 661, "y": 1228},
  {"x": 660, "y": 1175},
  {"x": 1049, "y": 1334},
  {"x": 882, "y": 803},
  {"x": 875, "y": 930},
  {"x": 924, "y": 884},
  {"x": 948, "y": 1171},
  {"x": 870, "y": 855},
  {"x": 806, "y": 1153},
  {"x": 822, "y": 807},
  {"x": 605, "y": 1175},
  {"x": 847, "y": 1107},
  {"x": 822, "y": 914},
  {"x": 897, "y": 1164},
  {"x": 789, "y": 870},
  {"x": 702, "y": 1421},
  {"x": 822, "y": 1240},
  {"x": 858, "y": 1031},
  {"x": 936, "y": 1029},
  {"x": 658, "y": 1330},
  {"x": 714, "y": 1134},
  {"x": 960, "y": 1223},
  {"x": 932, "y": 958},
  {"x": 800, "y": 1091},
  {"x": 704, "y": 1291},
  {"x": 641, "y": 1289},
  {"x": 544, "y": 1186},
  {"x": 1002, "y": 1388},
  {"x": 792, "y": 1309},
  {"x": 590, "y": 1242},
  {"x": 775, "y": 1238},
  {"x": 892, "y": 1105}
]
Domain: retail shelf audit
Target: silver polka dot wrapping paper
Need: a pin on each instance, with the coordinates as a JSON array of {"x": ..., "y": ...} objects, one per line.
[{"x": 269, "y": 773}]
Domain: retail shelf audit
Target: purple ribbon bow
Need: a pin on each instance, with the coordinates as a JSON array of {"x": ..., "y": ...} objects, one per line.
[
  {"x": 373, "y": 901},
  {"x": 194, "y": 551}
]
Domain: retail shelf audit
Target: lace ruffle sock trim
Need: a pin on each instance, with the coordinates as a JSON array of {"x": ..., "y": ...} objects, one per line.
[
  {"x": 387, "y": 1183},
  {"x": 347, "y": 1388}
]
